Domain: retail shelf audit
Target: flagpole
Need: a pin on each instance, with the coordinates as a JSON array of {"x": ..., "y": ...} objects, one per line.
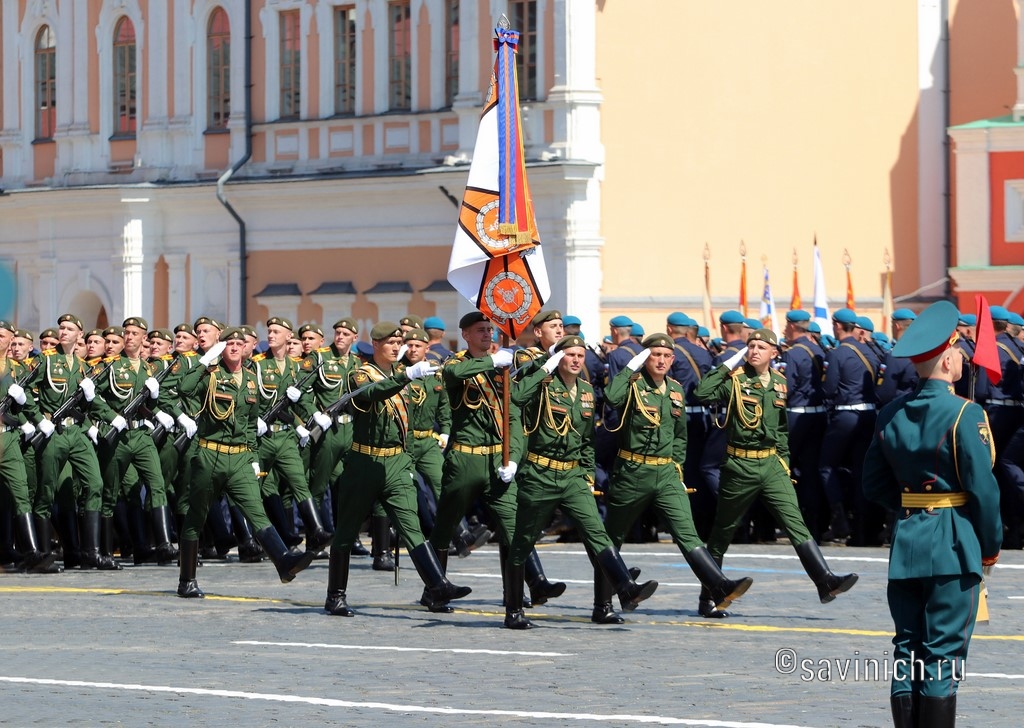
[{"x": 506, "y": 403}]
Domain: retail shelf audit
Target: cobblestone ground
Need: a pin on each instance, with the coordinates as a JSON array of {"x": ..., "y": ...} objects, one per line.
[{"x": 119, "y": 648}]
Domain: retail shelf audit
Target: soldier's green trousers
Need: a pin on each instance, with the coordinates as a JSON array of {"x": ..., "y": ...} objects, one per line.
[
  {"x": 12, "y": 471},
  {"x": 279, "y": 454},
  {"x": 214, "y": 473},
  {"x": 368, "y": 479},
  {"x": 428, "y": 460},
  {"x": 541, "y": 490},
  {"x": 465, "y": 478},
  {"x": 327, "y": 458},
  {"x": 934, "y": 620},
  {"x": 73, "y": 447},
  {"x": 132, "y": 447},
  {"x": 634, "y": 487},
  {"x": 742, "y": 481}
]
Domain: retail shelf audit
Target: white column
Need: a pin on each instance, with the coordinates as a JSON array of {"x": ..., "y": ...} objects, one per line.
[
  {"x": 446, "y": 307},
  {"x": 282, "y": 306},
  {"x": 333, "y": 306},
  {"x": 390, "y": 306},
  {"x": 575, "y": 97},
  {"x": 469, "y": 100},
  {"x": 973, "y": 198},
  {"x": 46, "y": 291},
  {"x": 931, "y": 138},
  {"x": 128, "y": 263},
  {"x": 14, "y": 147},
  {"x": 175, "y": 288}
]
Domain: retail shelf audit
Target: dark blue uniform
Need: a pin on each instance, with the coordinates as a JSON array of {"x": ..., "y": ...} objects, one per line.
[
  {"x": 1005, "y": 407},
  {"x": 899, "y": 378},
  {"x": 438, "y": 352},
  {"x": 692, "y": 362},
  {"x": 714, "y": 446},
  {"x": 805, "y": 408}
]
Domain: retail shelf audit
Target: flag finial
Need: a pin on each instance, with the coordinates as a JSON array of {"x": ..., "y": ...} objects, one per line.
[{"x": 503, "y": 22}]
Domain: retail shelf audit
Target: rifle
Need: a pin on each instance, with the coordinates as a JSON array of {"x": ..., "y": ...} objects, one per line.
[
  {"x": 315, "y": 433},
  {"x": 131, "y": 409},
  {"x": 283, "y": 402},
  {"x": 69, "y": 404},
  {"x": 8, "y": 400}
]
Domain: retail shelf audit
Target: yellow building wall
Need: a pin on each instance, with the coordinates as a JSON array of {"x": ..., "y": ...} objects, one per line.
[{"x": 766, "y": 123}]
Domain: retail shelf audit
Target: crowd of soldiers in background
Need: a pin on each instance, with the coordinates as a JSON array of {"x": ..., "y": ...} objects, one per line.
[{"x": 836, "y": 383}]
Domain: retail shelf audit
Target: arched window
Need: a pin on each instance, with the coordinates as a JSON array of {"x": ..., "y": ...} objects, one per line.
[
  {"x": 218, "y": 70},
  {"x": 524, "y": 19},
  {"x": 451, "y": 52},
  {"x": 345, "y": 59},
  {"x": 46, "y": 83},
  {"x": 291, "y": 64},
  {"x": 400, "y": 56},
  {"x": 124, "y": 78}
]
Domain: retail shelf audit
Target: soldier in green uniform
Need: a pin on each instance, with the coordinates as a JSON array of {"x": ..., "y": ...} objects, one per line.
[
  {"x": 378, "y": 468},
  {"x": 473, "y": 467},
  {"x": 648, "y": 471},
  {"x": 60, "y": 374},
  {"x": 277, "y": 376},
  {"x": 559, "y": 417},
  {"x": 930, "y": 460},
  {"x": 36, "y": 557},
  {"x": 757, "y": 456},
  {"x": 226, "y": 459},
  {"x": 126, "y": 377}
]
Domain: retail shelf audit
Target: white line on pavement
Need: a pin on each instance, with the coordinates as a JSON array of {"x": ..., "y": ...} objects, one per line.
[
  {"x": 478, "y": 575},
  {"x": 998, "y": 675},
  {"x": 335, "y": 703},
  {"x": 391, "y": 648}
]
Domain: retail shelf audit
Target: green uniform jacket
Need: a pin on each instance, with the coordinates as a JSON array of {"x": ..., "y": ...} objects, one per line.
[
  {"x": 653, "y": 422},
  {"x": 526, "y": 362},
  {"x": 272, "y": 384},
  {"x": 56, "y": 381},
  {"x": 229, "y": 411},
  {"x": 170, "y": 400},
  {"x": 755, "y": 415},
  {"x": 473, "y": 387},
  {"x": 428, "y": 407},
  {"x": 933, "y": 442},
  {"x": 17, "y": 414},
  {"x": 551, "y": 408},
  {"x": 382, "y": 418},
  {"x": 330, "y": 383},
  {"x": 120, "y": 384}
]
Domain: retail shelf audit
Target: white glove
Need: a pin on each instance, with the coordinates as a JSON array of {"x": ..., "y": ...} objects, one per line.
[
  {"x": 552, "y": 364},
  {"x": 27, "y": 430},
  {"x": 421, "y": 369},
  {"x": 303, "y": 434},
  {"x": 119, "y": 423},
  {"x": 442, "y": 440},
  {"x": 324, "y": 421},
  {"x": 507, "y": 472},
  {"x": 94, "y": 434},
  {"x": 88, "y": 388},
  {"x": 736, "y": 359},
  {"x": 188, "y": 424},
  {"x": 261, "y": 427},
  {"x": 294, "y": 393},
  {"x": 402, "y": 351},
  {"x": 166, "y": 420},
  {"x": 46, "y": 427},
  {"x": 502, "y": 358},
  {"x": 17, "y": 392},
  {"x": 256, "y": 469},
  {"x": 637, "y": 361},
  {"x": 209, "y": 357},
  {"x": 154, "y": 387},
  {"x": 551, "y": 349}
]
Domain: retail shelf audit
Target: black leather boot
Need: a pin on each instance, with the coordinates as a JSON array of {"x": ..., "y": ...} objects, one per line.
[
  {"x": 107, "y": 536},
  {"x": 515, "y": 618},
  {"x": 439, "y": 589},
  {"x": 123, "y": 531},
  {"x": 903, "y": 713},
  {"x": 425, "y": 599},
  {"x": 380, "y": 546},
  {"x": 540, "y": 588},
  {"x": 188, "y": 587},
  {"x": 316, "y": 535},
  {"x": 249, "y": 550},
  {"x": 288, "y": 564},
  {"x": 36, "y": 560},
  {"x": 719, "y": 591},
  {"x": 281, "y": 520},
  {"x": 630, "y": 593},
  {"x": 139, "y": 545},
  {"x": 839, "y": 526},
  {"x": 503, "y": 552},
  {"x": 165, "y": 551},
  {"x": 829, "y": 584},
  {"x": 67, "y": 528},
  {"x": 470, "y": 538},
  {"x": 936, "y": 712},
  {"x": 91, "y": 556},
  {"x": 337, "y": 584},
  {"x": 603, "y": 612}
]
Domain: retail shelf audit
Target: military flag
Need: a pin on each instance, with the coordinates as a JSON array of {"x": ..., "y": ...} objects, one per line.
[
  {"x": 850, "y": 303},
  {"x": 743, "y": 279},
  {"x": 887, "y": 304},
  {"x": 821, "y": 313},
  {"x": 496, "y": 260},
  {"x": 709, "y": 314},
  {"x": 768, "y": 318},
  {"x": 986, "y": 354}
]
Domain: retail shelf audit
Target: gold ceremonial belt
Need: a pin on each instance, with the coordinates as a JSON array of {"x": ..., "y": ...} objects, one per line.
[
  {"x": 423, "y": 434},
  {"x": 221, "y": 447},
  {"x": 552, "y": 464},
  {"x": 482, "y": 450},
  {"x": 933, "y": 500},
  {"x": 753, "y": 454},
  {"x": 376, "y": 452},
  {"x": 634, "y": 457}
]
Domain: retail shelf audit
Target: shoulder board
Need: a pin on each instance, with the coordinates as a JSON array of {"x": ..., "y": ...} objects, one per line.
[
  {"x": 108, "y": 359},
  {"x": 190, "y": 352},
  {"x": 324, "y": 349},
  {"x": 258, "y": 357},
  {"x": 212, "y": 368},
  {"x": 167, "y": 357},
  {"x": 48, "y": 352},
  {"x": 296, "y": 359},
  {"x": 94, "y": 361}
]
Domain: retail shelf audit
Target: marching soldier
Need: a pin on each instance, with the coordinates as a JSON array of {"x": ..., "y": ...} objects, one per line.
[
  {"x": 757, "y": 456},
  {"x": 226, "y": 458},
  {"x": 931, "y": 461},
  {"x": 379, "y": 468},
  {"x": 312, "y": 337},
  {"x": 436, "y": 350},
  {"x": 899, "y": 377},
  {"x": 649, "y": 467},
  {"x": 559, "y": 419}
]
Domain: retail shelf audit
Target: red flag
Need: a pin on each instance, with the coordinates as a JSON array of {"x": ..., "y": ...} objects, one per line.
[
  {"x": 743, "y": 286},
  {"x": 849, "y": 291},
  {"x": 986, "y": 355},
  {"x": 795, "y": 302}
]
